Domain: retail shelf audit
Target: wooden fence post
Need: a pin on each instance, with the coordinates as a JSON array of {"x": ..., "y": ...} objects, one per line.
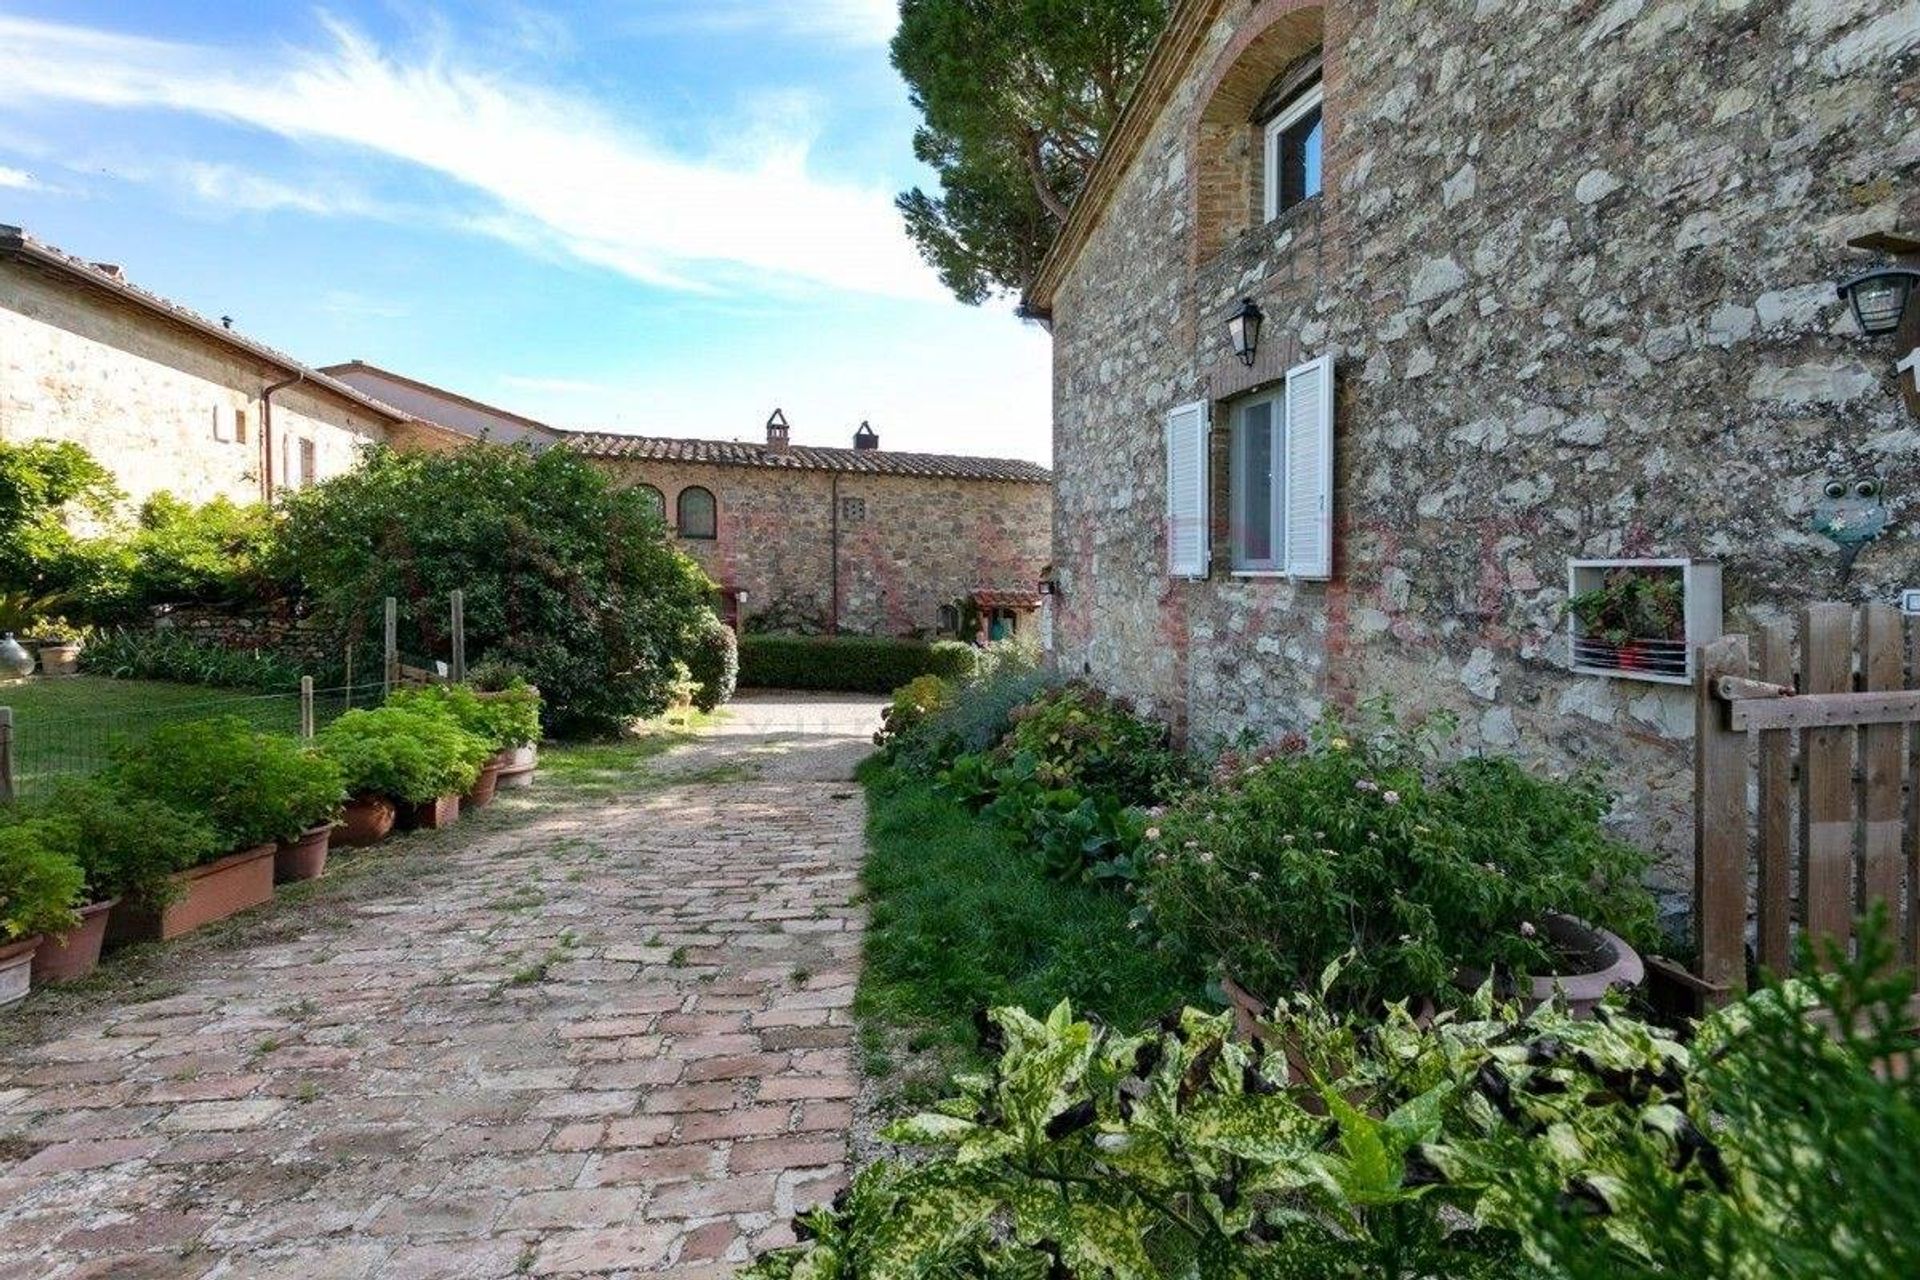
[
  {"x": 390, "y": 669},
  {"x": 1826, "y": 779},
  {"x": 1775, "y": 877},
  {"x": 459, "y": 637},
  {"x": 6, "y": 755},
  {"x": 1720, "y": 826},
  {"x": 306, "y": 708}
]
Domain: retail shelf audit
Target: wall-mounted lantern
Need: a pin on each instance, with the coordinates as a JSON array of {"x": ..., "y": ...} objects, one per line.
[
  {"x": 1243, "y": 330},
  {"x": 1049, "y": 586},
  {"x": 1879, "y": 298}
]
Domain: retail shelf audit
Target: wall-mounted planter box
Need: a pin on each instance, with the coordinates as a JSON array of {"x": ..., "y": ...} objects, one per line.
[{"x": 1663, "y": 659}]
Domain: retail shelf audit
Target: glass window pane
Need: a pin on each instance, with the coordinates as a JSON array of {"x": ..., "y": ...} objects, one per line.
[
  {"x": 696, "y": 513},
  {"x": 1300, "y": 159},
  {"x": 1253, "y": 488}
]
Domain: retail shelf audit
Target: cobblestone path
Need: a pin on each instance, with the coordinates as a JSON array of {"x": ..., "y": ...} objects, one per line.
[{"x": 606, "y": 1037}]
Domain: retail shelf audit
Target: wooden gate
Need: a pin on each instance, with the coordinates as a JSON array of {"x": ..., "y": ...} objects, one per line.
[{"x": 1805, "y": 805}]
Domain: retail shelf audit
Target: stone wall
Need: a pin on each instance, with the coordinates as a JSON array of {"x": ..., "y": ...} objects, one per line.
[
  {"x": 142, "y": 394},
  {"x": 1576, "y": 262},
  {"x": 908, "y": 545}
]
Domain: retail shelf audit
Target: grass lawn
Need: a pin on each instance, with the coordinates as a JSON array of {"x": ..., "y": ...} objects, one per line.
[
  {"x": 961, "y": 918},
  {"x": 68, "y": 725}
]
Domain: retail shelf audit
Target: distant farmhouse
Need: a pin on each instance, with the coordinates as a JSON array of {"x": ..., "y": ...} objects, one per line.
[
  {"x": 807, "y": 538},
  {"x": 166, "y": 398},
  {"x": 798, "y": 537}
]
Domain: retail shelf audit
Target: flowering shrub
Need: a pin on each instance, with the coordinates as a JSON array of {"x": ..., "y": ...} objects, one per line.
[
  {"x": 914, "y": 703},
  {"x": 1091, "y": 742},
  {"x": 979, "y": 715},
  {"x": 1361, "y": 844}
]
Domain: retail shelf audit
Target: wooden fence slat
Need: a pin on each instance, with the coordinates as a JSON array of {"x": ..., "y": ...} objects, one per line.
[
  {"x": 1774, "y": 844},
  {"x": 1883, "y": 667},
  {"x": 1720, "y": 826},
  {"x": 6, "y": 755},
  {"x": 1823, "y": 710},
  {"x": 1826, "y": 875},
  {"x": 1913, "y": 808}
]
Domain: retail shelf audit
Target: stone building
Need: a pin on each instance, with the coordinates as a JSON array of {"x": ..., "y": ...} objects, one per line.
[
  {"x": 858, "y": 539},
  {"x": 163, "y": 397},
  {"x": 1541, "y": 281}
]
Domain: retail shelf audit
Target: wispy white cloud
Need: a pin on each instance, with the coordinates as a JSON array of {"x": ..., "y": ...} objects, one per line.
[
  {"x": 855, "y": 22},
  {"x": 561, "y": 171},
  {"x": 18, "y": 179},
  {"x": 230, "y": 187}
]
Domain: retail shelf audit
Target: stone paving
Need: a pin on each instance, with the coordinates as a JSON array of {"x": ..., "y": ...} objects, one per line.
[{"x": 611, "y": 1039}]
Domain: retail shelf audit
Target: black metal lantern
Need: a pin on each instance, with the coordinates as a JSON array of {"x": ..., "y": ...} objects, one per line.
[
  {"x": 1243, "y": 329},
  {"x": 1879, "y": 298}
]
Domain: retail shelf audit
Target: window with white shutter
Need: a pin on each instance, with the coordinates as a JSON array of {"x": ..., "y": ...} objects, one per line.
[
  {"x": 1189, "y": 550},
  {"x": 222, "y": 424},
  {"x": 1309, "y": 470}
]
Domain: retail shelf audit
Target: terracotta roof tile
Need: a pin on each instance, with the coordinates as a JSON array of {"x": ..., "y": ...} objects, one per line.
[{"x": 941, "y": 466}]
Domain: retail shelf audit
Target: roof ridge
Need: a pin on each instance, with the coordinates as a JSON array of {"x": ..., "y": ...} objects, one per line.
[{"x": 699, "y": 449}]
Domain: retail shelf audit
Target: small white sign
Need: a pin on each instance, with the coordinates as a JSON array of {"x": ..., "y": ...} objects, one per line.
[
  {"x": 1910, "y": 602},
  {"x": 1911, "y": 365}
]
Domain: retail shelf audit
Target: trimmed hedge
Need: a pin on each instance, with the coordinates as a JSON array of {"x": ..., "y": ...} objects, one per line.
[{"x": 848, "y": 664}]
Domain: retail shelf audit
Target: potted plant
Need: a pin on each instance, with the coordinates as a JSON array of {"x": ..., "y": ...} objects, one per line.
[
  {"x": 501, "y": 684},
  {"x": 504, "y": 719},
  {"x": 390, "y": 757},
  {"x": 1358, "y": 860},
  {"x": 1630, "y": 608},
  {"x": 39, "y": 886},
  {"x": 59, "y": 643},
  {"x": 241, "y": 782},
  {"x": 129, "y": 848}
]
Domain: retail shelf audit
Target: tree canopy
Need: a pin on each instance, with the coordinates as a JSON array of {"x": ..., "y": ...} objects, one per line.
[{"x": 1015, "y": 97}]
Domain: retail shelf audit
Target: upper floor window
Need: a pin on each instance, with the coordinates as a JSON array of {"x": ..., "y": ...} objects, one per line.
[
  {"x": 699, "y": 518},
  {"x": 309, "y": 465},
  {"x": 1292, "y": 156}
]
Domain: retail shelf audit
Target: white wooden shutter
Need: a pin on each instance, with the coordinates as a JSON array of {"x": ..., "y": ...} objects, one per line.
[
  {"x": 1189, "y": 545},
  {"x": 222, "y": 424},
  {"x": 1309, "y": 464}
]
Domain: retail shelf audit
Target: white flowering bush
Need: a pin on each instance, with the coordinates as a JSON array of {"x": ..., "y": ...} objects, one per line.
[{"x": 1358, "y": 840}]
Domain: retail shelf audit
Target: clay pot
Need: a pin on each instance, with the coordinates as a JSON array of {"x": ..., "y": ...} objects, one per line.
[
  {"x": 59, "y": 659},
  {"x": 366, "y": 820},
  {"x": 483, "y": 788},
  {"x": 302, "y": 859},
  {"x": 63, "y": 957},
  {"x": 16, "y": 968},
  {"x": 202, "y": 895},
  {"x": 520, "y": 763},
  {"x": 432, "y": 815},
  {"x": 1606, "y": 962}
]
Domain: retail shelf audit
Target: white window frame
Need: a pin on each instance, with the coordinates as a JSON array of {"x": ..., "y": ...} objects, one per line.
[
  {"x": 1297, "y": 111},
  {"x": 1273, "y": 565}
]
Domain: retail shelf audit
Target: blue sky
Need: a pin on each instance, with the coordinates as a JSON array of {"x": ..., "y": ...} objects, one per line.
[{"x": 665, "y": 216}]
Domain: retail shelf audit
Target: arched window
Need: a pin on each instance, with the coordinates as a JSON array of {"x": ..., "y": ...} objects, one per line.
[
  {"x": 656, "y": 501},
  {"x": 699, "y": 517}
]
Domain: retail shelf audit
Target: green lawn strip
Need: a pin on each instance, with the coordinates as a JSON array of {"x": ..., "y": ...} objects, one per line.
[
  {"x": 962, "y": 918},
  {"x": 69, "y": 725}
]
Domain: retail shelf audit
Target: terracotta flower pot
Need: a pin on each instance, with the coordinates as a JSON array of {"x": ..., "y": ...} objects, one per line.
[
  {"x": 520, "y": 763},
  {"x": 202, "y": 895},
  {"x": 483, "y": 788},
  {"x": 366, "y": 820},
  {"x": 1606, "y": 962},
  {"x": 16, "y": 968},
  {"x": 59, "y": 659},
  {"x": 63, "y": 957},
  {"x": 432, "y": 815},
  {"x": 302, "y": 859}
]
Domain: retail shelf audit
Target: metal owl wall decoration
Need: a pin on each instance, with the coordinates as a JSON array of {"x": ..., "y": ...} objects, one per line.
[{"x": 1853, "y": 513}]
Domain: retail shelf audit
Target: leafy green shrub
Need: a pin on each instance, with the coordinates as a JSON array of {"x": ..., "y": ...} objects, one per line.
[
  {"x": 1084, "y": 739},
  {"x": 1479, "y": 1145},
  {"x": 411, "y": 754},
  {"x": 567, "y": 576},
  {"x": 127, "y": 844},
  {"x": 42, "y": 484},
  {"x": 178, "y": 553},
  {"x": 714, "y": 662},
  {"x": 503, "y": 719},
  {"x": 913, "y": 704},
  {"x": 138, "y": 654},
  {"x": 850, "y": 664},
  {"x": 1358, "y": 843},
  {"x": 253, "y": 788},
  {"x": 40, "y": 884},
  {"x": 979, "y": 716}
]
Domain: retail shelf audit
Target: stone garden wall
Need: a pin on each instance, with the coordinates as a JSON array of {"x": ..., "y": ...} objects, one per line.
[{"x": 1576, "y": 261}]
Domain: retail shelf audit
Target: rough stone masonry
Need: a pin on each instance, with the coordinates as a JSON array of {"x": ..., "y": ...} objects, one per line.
[{"x": 1576, "y": 261}]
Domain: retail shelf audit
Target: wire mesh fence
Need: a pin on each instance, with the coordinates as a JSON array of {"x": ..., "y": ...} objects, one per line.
[{"x": 39, "y": 749}]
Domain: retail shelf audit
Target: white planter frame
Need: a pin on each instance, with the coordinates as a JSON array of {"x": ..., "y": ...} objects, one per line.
[{"x": 1672, "y": 662}]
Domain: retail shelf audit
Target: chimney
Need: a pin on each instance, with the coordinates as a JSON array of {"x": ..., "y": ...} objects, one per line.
[
  {"x": 779, "y": 435},
  {"x": 866, "y": 438},
  {"x": 110, "y": 269}
]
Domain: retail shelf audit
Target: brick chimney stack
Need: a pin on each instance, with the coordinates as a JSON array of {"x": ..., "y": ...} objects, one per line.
[
  {"x": 779, "y": 434},
  {"x": 866, "y": 438}
]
